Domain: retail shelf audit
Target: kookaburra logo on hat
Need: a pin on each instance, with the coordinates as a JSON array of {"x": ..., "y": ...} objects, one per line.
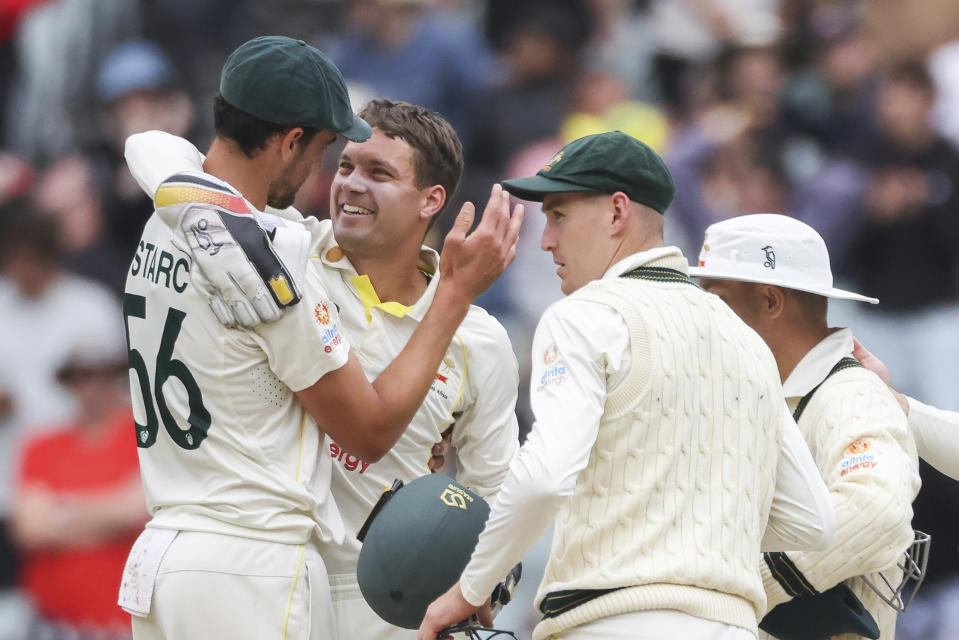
[{"x": 770, "y": 257}]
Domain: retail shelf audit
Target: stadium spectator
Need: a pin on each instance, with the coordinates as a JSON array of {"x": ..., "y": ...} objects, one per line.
[{"x": 79, "y": 503}]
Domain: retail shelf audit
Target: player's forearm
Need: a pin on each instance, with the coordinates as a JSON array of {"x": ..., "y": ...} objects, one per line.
[
  {"x": 106, "y": 515},
  {"x": 367, "y": 419},
  {"x": 801, "y": 516},
  {"x": 540, "y": 478},
  {"x": 872, "y": 531},
  {"x": 937, "y": 436},
  {"x": 31, "y": 523},
  {"x": 872, "y": 473},
  {"x": 522, "y": 511},
  {"x": 42, "y": 519}
]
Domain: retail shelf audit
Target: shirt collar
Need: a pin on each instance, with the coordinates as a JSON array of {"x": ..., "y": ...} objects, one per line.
[
  {"x": 817, "y": 363},
  {"x": 670, "y": 257},
  {"x": 333, "y": 257},
  {"x": 290, "y": 213}
]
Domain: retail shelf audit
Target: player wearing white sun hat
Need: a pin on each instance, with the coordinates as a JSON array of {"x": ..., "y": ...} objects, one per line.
[{"x": 773, "y": 270}]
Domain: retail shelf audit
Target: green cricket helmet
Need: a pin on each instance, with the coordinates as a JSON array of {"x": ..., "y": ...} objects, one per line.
[{"x": 416, "y": 543}]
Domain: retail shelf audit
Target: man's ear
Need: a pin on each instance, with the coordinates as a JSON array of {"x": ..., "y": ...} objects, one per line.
[
  {"x": 620, "y": 213},
  {"x": 434, "y": 198},
  {"x": 289, "y": 142},
  {"x": 774, "y": 300}
]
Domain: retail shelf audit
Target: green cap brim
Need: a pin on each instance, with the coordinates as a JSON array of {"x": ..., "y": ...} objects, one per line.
[
  {"x": 359, "y": 131},
  {"x": 535, "y": 188}
]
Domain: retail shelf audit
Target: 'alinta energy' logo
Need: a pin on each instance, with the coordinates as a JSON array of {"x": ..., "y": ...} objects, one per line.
[{"x": 555, "y": 372}]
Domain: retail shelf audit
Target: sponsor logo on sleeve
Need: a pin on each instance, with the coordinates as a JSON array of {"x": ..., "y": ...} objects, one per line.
[
  {"x": 446, "y": 368},
  {"x": 550, "y": 355},
  {"x": 322, "y": 313},
  {"x": 348, "y": 460},
  {"x": 555, "y": 371},
  {"x": 331, "y": 336},
  {"x": 857, "y": 458},
  {"x": 859, "y": 446},
  {"x": 441, "y": 381}
]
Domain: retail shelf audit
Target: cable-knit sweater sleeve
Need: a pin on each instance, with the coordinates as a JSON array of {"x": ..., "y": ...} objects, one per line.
[{"x": 861, "y": 443}]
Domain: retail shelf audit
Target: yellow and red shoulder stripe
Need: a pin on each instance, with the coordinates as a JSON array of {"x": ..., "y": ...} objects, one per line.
[{"x": 184, "y": 188}]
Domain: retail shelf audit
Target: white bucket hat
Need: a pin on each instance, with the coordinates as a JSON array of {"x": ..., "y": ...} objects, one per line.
[{"x": 769, "y": 248}]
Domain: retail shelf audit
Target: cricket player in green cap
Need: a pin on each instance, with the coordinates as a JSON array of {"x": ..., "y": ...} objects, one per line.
[
  {"x": 662, "y": 450},
  {"x": 232, "y": 420}
]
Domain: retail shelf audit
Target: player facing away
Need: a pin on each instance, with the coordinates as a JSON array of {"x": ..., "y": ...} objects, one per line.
[
  {"x": 853, "y": 424},
  {"x": 386, "y": 193},
  {"x": 662, "y": 450},
  {"x": 232, "y": 422}
]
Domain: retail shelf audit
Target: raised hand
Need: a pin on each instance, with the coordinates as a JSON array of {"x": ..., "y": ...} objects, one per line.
[
  {"x": 471, "y": 261},
  {"x": 877, "y": 366}
]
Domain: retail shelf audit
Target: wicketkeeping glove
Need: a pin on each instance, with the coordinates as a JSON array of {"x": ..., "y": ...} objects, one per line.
[{"x": 237, "y": 263}]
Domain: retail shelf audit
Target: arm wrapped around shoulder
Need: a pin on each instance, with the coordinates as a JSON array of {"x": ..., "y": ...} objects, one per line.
[{"x": 238, "y": 264}]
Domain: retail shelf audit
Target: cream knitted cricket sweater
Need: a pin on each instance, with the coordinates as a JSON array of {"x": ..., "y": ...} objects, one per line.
[
  {"x": 674, "y": 500},
  {"x": 860, "y": 440}
]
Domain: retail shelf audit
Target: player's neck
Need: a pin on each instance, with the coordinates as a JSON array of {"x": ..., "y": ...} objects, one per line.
[
  {"x": 394, "y": 278},
  {"x": 792, "y": 345},
  {"x": 247, "y": 175}
]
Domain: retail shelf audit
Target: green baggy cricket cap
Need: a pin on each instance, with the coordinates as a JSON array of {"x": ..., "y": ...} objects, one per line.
[
  {"x": 602, "y": 163},
  {"x": 288, "y": 82}
]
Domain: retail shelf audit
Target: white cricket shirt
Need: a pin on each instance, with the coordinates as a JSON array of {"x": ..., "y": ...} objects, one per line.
[
  {"x": 474, "y": 390},
  {"x": 225, "y": 446},
  {"x": 476, "y": 385}
]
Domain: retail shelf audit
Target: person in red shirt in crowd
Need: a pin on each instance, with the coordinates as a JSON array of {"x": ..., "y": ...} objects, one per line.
[{"x": 79, "y": 504}]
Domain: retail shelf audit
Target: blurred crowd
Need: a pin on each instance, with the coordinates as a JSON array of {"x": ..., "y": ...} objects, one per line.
[{"x": 843, "y": 113}]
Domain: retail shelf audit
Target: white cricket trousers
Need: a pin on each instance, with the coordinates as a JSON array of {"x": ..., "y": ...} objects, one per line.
[
  {"x": 218, "y": 587},
  {"x": 353, "y": 619},
  {"x": 656, "y": 625}
]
